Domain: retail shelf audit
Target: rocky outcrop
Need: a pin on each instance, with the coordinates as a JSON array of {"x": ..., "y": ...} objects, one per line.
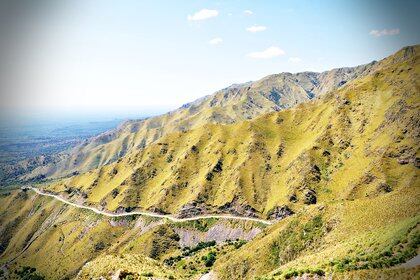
[
  {"x": 192, "y": 209},
  {"x": 279, "y": 213},
  {"x": 384, "y": 187},
  {"x": 236, "y": 208},
  {"x": 310, "y": 197}
]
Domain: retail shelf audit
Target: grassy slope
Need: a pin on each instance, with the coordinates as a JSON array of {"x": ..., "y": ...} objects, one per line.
[
  {"x": 135, "y": 266},
  {"x": 353, "y": 234},
  {"x": 59, "y": 240},
  {"x": 356, "y": 149},
  {"x": 363, "y": 129},
  {"x": 362, "y": 225},
  {"x": 230, "y": 105},
  {"x": 366, "y": 129}
]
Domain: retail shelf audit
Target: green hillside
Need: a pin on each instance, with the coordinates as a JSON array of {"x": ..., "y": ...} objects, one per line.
[
  {"x": 291, "y": 158},
  {"x": 230, "y": 105},
  {"x": 64, "y": 242},
  {"x": 338, "y": 175}
]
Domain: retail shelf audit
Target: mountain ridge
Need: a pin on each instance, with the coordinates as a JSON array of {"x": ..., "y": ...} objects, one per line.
[
  {"x": 232, "y": 104},
  {"x": 338, "y": 176},
  {"x": 186, "y": 171}
]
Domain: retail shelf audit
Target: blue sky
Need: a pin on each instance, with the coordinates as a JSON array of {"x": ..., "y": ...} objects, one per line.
[{"x": 132, "y": 58}]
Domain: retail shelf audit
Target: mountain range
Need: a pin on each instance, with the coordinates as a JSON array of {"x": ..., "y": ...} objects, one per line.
[
  {"x": 330, "y": 159},
  {"x": 230, "y": 105}
]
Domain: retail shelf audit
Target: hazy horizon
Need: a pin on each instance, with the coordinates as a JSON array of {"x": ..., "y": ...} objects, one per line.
[{"x": 104, "y": 60}]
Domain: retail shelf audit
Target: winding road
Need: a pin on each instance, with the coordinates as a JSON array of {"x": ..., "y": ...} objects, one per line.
[{"x": 148, "y": 214}]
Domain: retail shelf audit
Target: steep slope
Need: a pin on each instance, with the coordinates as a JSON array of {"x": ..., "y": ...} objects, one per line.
[
  {"x": 63, "y": 242},
  {"x": 334, "y": 239},
  {"x": 283, "y": 160},
  {"x": 340, "y": 174},
  {"x": 230, "y": 105},
  {"x": 367, "y": 215}
]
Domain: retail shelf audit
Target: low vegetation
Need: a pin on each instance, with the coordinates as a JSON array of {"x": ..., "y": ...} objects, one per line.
[{"x": 338, "y": 176}]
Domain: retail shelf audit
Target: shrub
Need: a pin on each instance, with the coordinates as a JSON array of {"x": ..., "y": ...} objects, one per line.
[
  {"x": 210, "y": 259},
  {"x": 200, "y": 246},
  {"x": 239, "y": 244},
  {"x": 99, "y": 246},
  {"x": 319, "y": 272},
  {"x": 28, "y": 273},
  {"x": 291, "y": 273}
]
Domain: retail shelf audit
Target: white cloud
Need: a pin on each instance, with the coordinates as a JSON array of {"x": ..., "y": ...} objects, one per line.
[
  {"x": 384, "y": 32},
  {"x": 216, "y": 41},
  {"x": 267, "y": 53},
  {"x": 248, "y": 12},
  {"x": 256, "y": 28},
  {"x": 295, "y": 59},
  {"x": 203, "y": 14}
]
